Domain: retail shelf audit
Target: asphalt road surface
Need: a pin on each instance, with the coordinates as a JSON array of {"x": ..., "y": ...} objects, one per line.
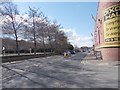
[
  {"x": 78, "y": 56},
  {"x": 58, "y": 72}
]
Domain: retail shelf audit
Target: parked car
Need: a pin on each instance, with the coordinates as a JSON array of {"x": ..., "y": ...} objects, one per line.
[{"x": 72, "y": 52}]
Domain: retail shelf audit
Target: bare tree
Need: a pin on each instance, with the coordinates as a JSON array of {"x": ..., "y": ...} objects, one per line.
[
  {"x": 62, "y": 42},
  {"x": 42, "y": 32},
  {"x": 55, "y": 28},
  {"x": 34, "y": 15},
  {"x": 37, "y": 28},
  {"x": 12, "y": 26},
  {"x": 49, "y": 33}
]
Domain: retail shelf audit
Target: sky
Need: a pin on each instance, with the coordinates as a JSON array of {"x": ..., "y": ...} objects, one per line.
[{"x": 74, "y": 17}]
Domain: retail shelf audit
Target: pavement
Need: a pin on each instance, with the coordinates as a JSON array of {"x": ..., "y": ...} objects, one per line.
[
  {"x": 14, "y": 54},
  {"x": 81, "y": 70}
]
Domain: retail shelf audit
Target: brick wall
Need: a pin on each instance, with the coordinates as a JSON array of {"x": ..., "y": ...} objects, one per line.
[{"x": 110, "y": 50}]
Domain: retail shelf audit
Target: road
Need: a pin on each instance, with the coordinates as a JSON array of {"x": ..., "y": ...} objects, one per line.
[
  {"x": 58, "y": 72},
  {"x": 78, "y": 56}
]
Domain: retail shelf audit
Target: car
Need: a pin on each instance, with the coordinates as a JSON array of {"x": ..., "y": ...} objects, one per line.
[{"x": 72, "y": 52}]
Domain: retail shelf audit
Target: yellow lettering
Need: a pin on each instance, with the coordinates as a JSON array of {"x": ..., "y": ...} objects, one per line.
[
  {"x": 117, "y": 8},
  {"x": 117, "y": 14},
  {"x": 107, "y": 17},
  {"x": 106, "y": 12},
  {"x": 111, "y": 10},
  {"x": 112, "y": 15}
]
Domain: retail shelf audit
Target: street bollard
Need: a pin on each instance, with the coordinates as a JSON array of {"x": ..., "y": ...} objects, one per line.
[
  {"x": 3, "y": 51},
  {"x": 30, "y": 50},
  {"x": 65, "y": 54}
]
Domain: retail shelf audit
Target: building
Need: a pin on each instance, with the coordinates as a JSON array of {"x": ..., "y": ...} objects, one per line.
[{"x": 107, "y": 30}]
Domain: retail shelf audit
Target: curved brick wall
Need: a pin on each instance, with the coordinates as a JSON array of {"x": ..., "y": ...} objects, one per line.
[{"x": 107, "y": 30}]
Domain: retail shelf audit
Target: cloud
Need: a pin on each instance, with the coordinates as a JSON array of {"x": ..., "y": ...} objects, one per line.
[
  {"x": 76, "y": 39},
  {"x": 20, "y": 18},
  {"x": 73, "y": 37}
]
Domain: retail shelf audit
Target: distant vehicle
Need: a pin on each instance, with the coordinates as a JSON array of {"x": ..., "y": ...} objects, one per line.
[{"x": 72, "y": 52}]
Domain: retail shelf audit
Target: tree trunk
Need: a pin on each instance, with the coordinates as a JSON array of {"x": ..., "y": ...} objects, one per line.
[
  {"x": 44, "y": 47},
  {"x": 16, "y": 38},
  {"x": 17, "y": 46},
  {"x": 43, "y": 43},
  {"x": 50, "y": 40},
  {"x": 34, "y": 35},
  {"x": 56, "y": 44},
  {"x": 34, "y": 44}
]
